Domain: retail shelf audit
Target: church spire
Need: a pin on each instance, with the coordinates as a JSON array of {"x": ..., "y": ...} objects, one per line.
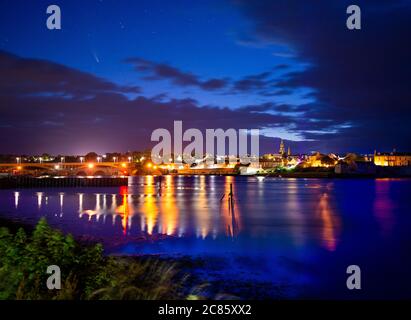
[{"x": 282, "y": 149}]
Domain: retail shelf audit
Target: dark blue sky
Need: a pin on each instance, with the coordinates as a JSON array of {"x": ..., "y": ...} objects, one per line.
[{"x": 119, "y": 69}]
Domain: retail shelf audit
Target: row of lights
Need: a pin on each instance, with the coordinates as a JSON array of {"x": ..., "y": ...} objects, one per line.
[
  {"x": 150, "y": 165},
  {"x": 91, "y": 166},
  {"x": 62, "y": 159}
]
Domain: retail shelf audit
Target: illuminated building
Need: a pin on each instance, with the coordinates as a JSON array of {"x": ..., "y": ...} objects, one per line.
[
  {"x": 321, "y": 160},
  {"x": 280, "y": 159},
  {"x": 282, "y": 148},
  {"x": 392, "y": 159},
  {"x": 271, "y": 160}
]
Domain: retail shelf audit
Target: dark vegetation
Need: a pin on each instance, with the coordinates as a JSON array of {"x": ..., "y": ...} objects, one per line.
[{"x": 85, "y": 272}]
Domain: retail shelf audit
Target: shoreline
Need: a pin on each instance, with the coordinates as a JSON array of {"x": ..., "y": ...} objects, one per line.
[
  {"x": 75, "y": 182},
  {"x": 202, "y": 280},
  {"x": 332, "y": 175}
]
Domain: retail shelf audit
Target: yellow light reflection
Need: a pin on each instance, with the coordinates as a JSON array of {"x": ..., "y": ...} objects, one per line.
[
  {"x": 123, "y": 209},
  {"x": 149, "y": 207},
  {"x": 169, "y": 210},
  {"x": 200, "y": 200},
  {"x": 330, "y": 223}
]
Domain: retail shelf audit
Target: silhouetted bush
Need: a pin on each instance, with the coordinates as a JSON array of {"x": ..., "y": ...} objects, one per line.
[{"x": 85, "y": 272}]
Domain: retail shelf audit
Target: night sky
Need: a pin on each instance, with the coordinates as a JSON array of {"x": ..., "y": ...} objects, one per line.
[{"x": 119, "y": 69}]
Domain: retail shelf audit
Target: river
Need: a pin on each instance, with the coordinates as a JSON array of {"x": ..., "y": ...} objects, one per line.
[{"x": 295, "y": 235}]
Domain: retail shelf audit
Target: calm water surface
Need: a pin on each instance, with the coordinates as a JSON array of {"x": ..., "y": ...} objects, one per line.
[{"x": 295, "y": 234}]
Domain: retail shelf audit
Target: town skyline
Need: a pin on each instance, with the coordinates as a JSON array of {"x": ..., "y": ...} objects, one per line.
[{"x": 281, "y": 144}]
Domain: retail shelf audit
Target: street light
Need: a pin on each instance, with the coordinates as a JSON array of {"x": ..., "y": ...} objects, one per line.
[
  {"x": 41, "y": 159},
  {"x": 81, "y": 159},
  {"x": 114, "y": 159},
  {"x": 98, "y": 159},
  {"x": 18, "y": 160},
  {"x": 62, "y": 159},
  {"x": 129, "y": 159}
]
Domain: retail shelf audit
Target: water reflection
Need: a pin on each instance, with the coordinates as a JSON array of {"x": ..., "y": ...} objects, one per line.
[
  {"x": 16, "y": 199},
  {"x": 170, "y": 216},
  {"x": 149, "y": 206},
  {"x": 61, "y": 203},
  {"x": 39, "y": 199},
  {"x": 230, "y": 216},
  {"x": 199, "y": 198},
  {"x": 384, "y": 206},
  {"x": 80, "y": 203},
  {"x": 294, "y": 210},
  {"x": 170, "y": 205},
  {"x": 272, "y": 230},
  {"x": 330, "y": 222}
]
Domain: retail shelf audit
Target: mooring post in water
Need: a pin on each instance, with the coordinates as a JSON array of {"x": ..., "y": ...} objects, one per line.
[
  {"x": 160, "y": 178},
  {"x": 230, "y": 195}
]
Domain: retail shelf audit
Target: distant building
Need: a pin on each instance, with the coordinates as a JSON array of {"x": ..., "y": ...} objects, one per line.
[
  {"x": 281, "y": 159},
  {"x": 282, "y": 148},
  {"x": 270, "y": 163},
  {"x": 278, "y": 156},
  {"x": 392, "y": 159},
  {"x": 319, "y": 160},
  {"x": 272, "y": 160}
]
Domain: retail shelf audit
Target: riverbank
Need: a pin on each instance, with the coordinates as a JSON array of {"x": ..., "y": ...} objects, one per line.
[
  {"x": 86, "y": 273},
  {"x": 77, "y": 182},
  {"x": 332, "y": 175},
  {"x": 179, "y": 277}
]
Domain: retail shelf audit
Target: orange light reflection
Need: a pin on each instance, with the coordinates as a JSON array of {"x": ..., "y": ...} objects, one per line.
[{"x": 330, "y": 223}]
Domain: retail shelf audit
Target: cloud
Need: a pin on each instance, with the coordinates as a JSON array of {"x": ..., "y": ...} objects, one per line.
[
  {"x": 47, "y": 107},
  {"x": 262, "y": 83},
  {"x": 359, "y": 77},
  {"x": 21, "y": 76},
  {"x": 253, "y": 82},
  {"x": 162, "y": 71}
]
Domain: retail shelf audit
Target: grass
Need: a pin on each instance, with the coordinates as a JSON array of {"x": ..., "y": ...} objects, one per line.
[{"x": 85, "y": 272}]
